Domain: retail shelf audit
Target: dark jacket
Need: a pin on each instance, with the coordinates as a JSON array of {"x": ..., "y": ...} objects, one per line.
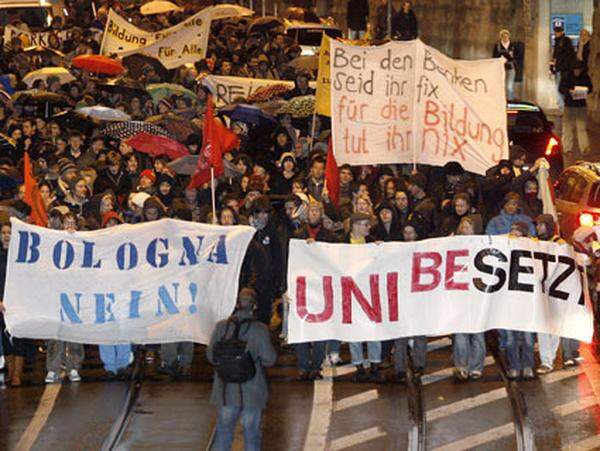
[
  {"x": 270, "y": 241},
  {"x": 322, "y": 235},
  {"x": 357, "y": 14},
  {"x": 508, "y": 53},
  {"x": 405, "y": 26},
  {"x": 253, "y": 394},
  {"x": 564, "y": 54},
  {"x": 120, "y": 184},
  {"x": 568, "y": 82}
]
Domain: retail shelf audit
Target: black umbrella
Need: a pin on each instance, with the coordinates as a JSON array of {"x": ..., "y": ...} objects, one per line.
[
  {"x": 46, "y": 99},
  {"x": 40, "y": 50},
  {"x": 70, "y": 120},
  {"x": 138, "y": 63},
  {"x": 124, "y": 85},
  {"x": 125, "y": 130},
  {"x": 263, "y": 24}
]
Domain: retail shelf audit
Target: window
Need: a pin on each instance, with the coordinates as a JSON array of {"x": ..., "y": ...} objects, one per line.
[
  {"x": 594, "y": 200},
  {"x": 525, "y": 122}
]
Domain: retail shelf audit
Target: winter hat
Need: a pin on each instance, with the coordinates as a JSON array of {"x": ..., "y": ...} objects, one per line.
[
  {"x": 155, "y": 202},
  {"x": 512, "y": 196},
  {"x": 286, "y": 155},
  {"x": 548, "y": 221},
  {"x": 138, "y": 199},
  {"x": 521, "y": 226},
  {"x": 65, "y": 165},
  {"x": 149, "y": 174},
  {"x": 418, "y": 180},
  {"x": 165, "y": 178},
  {"x": 261, "y": 204},
  {"x": 111, "y": 215},
  {"x": 453, "y": 168}
]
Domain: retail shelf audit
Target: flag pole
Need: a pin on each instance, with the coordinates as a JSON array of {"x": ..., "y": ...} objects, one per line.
[
  {"x": 212, "y": 195},
  {"x": 312, "y": 131}
]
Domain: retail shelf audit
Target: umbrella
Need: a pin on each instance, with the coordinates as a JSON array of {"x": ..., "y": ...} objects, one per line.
[
  {"x": 265, "y": 93},
  {"x": 125, "y": 130},
  {"x": 178, "y": 126},
  {"x": 188, "y": 164},
  {"x": 103, "y": 113},
  {"x": 98, "y": 64},
  {"x": 248, "y": 114},
  {"x": 299, "y": 107},
  {"x": 137, "y": 63},
  {"x": 40, "y": 50},
  {"x": 125, "y": 86},
  {"x": 263, "y": 24},
  {"x": 155, "y": 145},
  {"x": 159, "y": 7},
  {"x": 4, "y": 96},
  {"x": 305, "y": 62},
  {"x": 71, "y": 120},
  {"x": 38, "y": 97},
  {"x": 159, "y": 91},
  {"x": 63, "y": 75}
]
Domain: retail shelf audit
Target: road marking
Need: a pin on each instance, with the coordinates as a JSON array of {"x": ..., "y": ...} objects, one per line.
[
  {"x": 448, "y": 372},
  {"x": 357, "y": 438},
  {"x": 465, "y": 404},
  {"x": 320, "y": 415},
  {"x": 560, "y": 375},
  {"x": 44, "y": 408},
  {"x": 584, "y": 445},
  {"x": 591, "y": 368},
  {"x": 481, "y": 438},
  {"x": 575, "y": 406},
  {"x": 439, "y": 344},
  {"x": 355, "y": 400}
]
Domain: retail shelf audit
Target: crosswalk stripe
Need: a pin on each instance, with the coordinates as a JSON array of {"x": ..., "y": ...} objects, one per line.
[
  {"x": 557, "y": 376},
  {"x": 320, "y": 415},
  {"x": 574, "y": 406},
  {"x": 40, "y": 417},
  {"x": 479, "y": 439},
  {"x": 447, "y": 373},
  {"x": 584, "y": 445},
  {"x": 439, "y": 344},
  {"x": 357, "y": 438},
  {"x": 465, "y": 404},
  {"x": 355, "y": 400}
]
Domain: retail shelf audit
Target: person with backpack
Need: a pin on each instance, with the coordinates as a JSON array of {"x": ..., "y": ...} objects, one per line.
[{"x": 240, "y": 347}]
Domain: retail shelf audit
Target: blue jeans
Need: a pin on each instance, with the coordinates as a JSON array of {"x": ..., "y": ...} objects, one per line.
[
  {"x": 226, "y": 423},
  {"x": 469, "y": 351},
  {"x": 115, "y": 357},
  {"x": 519, "y": 349},
  {"x": 570, "y": 348},
  {"x": 373, "y": 352},
  {"x": 310, "y": 355}
]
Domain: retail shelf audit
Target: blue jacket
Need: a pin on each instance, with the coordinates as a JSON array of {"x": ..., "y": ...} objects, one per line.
[{"x": 501, "y": 224}]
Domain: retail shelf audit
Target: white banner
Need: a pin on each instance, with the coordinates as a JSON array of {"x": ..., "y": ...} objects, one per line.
[
  {"x": 183, "y": 43},
  {"x": 41, "y": 38},
  {"x": 406, "y": 102},
  {"x": 435, "y": 287},
  {"x": 227, "y": 89},
  {"x": 158, "y": 282}
]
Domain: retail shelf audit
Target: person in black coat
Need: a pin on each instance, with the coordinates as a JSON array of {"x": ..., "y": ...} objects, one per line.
[
  {"x": 405, "y": 26},
  {"x": 356, "y": 17},
  {"x": 113, "y": 178},
  {"x": 563, "y": 59},
  {"x": 575, "y": 117},
  {"x": 387, "y": 228},
  {"x": 261, "y": 219}
]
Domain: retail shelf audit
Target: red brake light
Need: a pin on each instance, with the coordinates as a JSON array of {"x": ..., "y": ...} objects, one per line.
[
  {"x": 552, "y": 145},
  {"x": 586, "y": 220}
]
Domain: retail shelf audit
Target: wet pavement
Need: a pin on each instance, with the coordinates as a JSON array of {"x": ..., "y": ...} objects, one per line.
[{"x": 333, "y": 413}]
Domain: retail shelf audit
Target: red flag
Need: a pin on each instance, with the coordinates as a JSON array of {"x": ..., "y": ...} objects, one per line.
[
  {"x": 332, "y": 176},
  {"x": 32, "y": 197},
  {"x": 216, "y": 140}
]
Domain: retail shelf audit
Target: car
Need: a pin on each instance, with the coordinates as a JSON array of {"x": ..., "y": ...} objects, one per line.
[
  {"x": 577, "y": 194},
  {"x": 528, "y": 127},
  {"x": 308, "y": 35}
]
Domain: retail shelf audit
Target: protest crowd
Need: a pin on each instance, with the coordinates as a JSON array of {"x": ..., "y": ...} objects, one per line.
[{"x": 84, "y": 150}]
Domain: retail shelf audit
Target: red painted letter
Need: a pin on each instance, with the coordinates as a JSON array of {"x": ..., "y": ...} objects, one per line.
[
  {"x": 349, "y": 288},
  {"x": 301, "y": 309},
  {"x": 392, "y": 295},
  {"x": 452, "y": 268},
  {"x": 432, "y": 270}
]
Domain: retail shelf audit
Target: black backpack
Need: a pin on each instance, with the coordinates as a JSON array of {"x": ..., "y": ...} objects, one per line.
[{"x": 233, "y": 362}]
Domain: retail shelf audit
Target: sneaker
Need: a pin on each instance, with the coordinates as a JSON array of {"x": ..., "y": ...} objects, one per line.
[
  {"x": 513, "y": 374},
  {"x": 1, "y": 362},
  {"x": 74, "y": 376},
  {"x": 51, "y": 378},
  {"x": 528, "y": 374},
  {"x": 579, "y": 360},
  {"x": 475, "y": 375},
  {"x": 334, "y": 360},
  {"x": 569, "y": 363},
  {"x": 544, "y": 368},
  {"x": 461, "y": 374}
]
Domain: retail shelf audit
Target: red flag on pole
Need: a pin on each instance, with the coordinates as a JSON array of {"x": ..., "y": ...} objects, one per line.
[
  {"x": 33, "y": 197},
  {"x": 332, "y": 176},
  {"x": 216, "y": 140}
]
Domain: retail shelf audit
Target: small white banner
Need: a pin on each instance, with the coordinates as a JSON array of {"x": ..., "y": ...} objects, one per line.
[
  {"x": 467, "y": 284},
  {"x": 157, "y": 282}
]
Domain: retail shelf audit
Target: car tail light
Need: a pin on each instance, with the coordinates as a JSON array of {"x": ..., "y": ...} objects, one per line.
[
  {"x": 588, "y": 219},
  {"x": 552, "y": 145}
]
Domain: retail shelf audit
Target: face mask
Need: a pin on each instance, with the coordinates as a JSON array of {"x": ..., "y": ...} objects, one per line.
[{"x": 258, "y": 223}]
